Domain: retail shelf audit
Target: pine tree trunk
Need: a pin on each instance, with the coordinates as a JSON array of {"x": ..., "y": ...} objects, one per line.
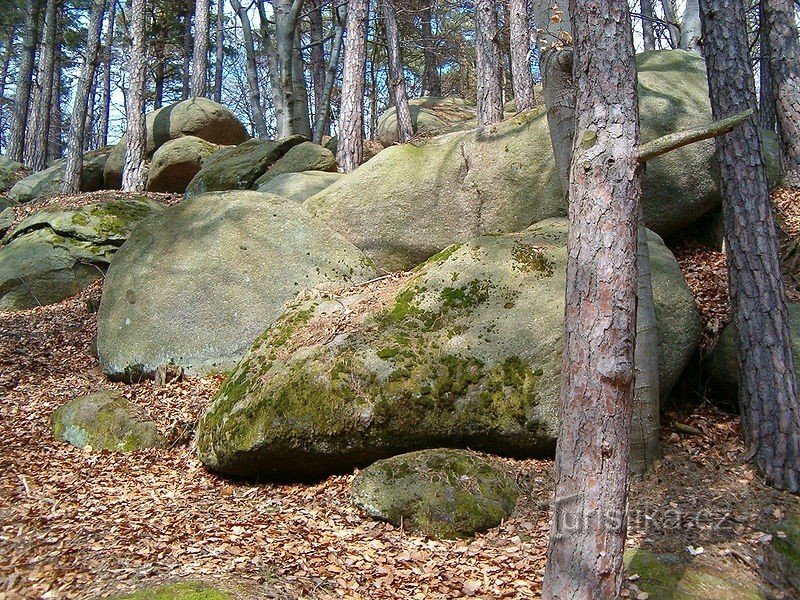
[
  {"x": 648, "y": 34},
  {"x": 487, "y": 49},
  {"x": 766, "y": 102},
  {"x": 597, "y": 391},
  {"x": 220, "y": 50},
  {"x": 134, "y": 176},
  {"x": 431, "y": 80},
  {"x": 22, "y": 96},
  {"x": 322, "y": 119},
  {"x": 55, "y": 144},
  {"x": 44, "y": 82},
  {"x": 198, "y": 85},
  {"x": 254, "y": 94},
  {"x": 520, "y": 37},
  {"x": 767, "y": 382},
  {"x": 160, "y": 68},
  {"x": 397, "y": 77},
  {"x": 71, "y": 183},
  {"x": 317, "y": 54},
  {"x": 187, "y": 50},
  {"x": 784, "y": 49},
  {"x": 690, "y": 30},
  {"x": 350, "y": 148},
  {"x": 105, "y": 110}
]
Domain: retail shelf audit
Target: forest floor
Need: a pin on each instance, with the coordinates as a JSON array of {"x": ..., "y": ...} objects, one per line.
[{"x": 76, "y": 524}]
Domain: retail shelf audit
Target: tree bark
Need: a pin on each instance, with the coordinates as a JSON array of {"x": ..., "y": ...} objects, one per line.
[
  {"x": 187, "y": 50},
  {"x": 71, "y": 183},
  {"x": 322, "y": 119},
  {"x": 597, "y": 391},
  {"x": 55, "y": 144},
  {"x": 22, "y": 96},
  {"x": 254, "y": 93},
  {"x": 766, "y": 101},
  {"x": 767, "y": 382},
  {"x": 558, "y": 90},
  {"x": 487, "y": 51},
  {"x": 397, "y": 77},
  {"x": 671, "y": 17},
  {"x": 44, "y": 83},
  {"x": 519, "y": 25},
  {"x": 690, "y": 30},
  {"x": 350, "y": 148},
  {"x": 301, "y": 121},
  {"x": 273, "y": 68},
  {"x": 431, "y": 79},
  {"x": 219, "y": 56},
  {"x": 105, "y": 110},
  {"x": 287, "y": 14},
  {"x": 198, "y": 85},
  {"x": 317, "y": 36},
  {"x": 133, "y": 173},
  {"x": 160, "y": 67},
  {"x": 785, "y": 62},
  {"x": 648, "y": 33}
]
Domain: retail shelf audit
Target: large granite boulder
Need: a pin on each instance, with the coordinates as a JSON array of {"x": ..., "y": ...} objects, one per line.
[
  {"x": 441, "y": 493},
  {"x": 55, "y": 253},
  {"x": 430, "y": 116},
  {"x": 239, "y": 167},
  {"x": 196, "y": 285},
  {"x": 303, "y": 157},
  {"x": 48, "y": 182},
  {"x": 176, "y": 162},
  {"x": 300, "y": 186},
  {"x": 10, "y": 173},
  {"x": 105, "y": 421},
  {"x": 413, "y": 200},
  {"x": 464, "y": 352}
]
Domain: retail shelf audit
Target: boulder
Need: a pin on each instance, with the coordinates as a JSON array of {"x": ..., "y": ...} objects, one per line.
[
  {"x": 238, "y": 168},
  {"x": 6, "y": 202},
  {"x": 7, "y": 217},
  {"x": 196, "y": 285},
  {"x": 299, "y": 186},
  {"x": 176, "y": 162},
  {"x": 783, "y": 555},
  {"x": 48, "y": 182},
  {"x": 465, "y": 351},
  {"x": 413, "y": 200},
  {"x": 722, "y": 367},
  {"x": 431, "y": 116},
  {"x": 303, "y": 157},
  {"x": 10, "y": 173},
  {"x": 105, "y": 421},
  {"x": 55, "y": 253},
  {"x": 440, "y": 493}
]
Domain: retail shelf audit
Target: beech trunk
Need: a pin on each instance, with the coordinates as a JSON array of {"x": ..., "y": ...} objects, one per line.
[{"x": 322, "y": 119}]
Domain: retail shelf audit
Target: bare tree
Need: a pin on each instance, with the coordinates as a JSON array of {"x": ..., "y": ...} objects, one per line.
[
  {"x": 592, "y": 458},
  {"x": 317, "y": 35},
  {"x": 290, "y": 112},
  {"x": 690, "y": 28},
  {"x": 322, "y": 118},
  {"x": 198, "y": 85},
  {"x": 108, "y": 46},
  {"x": 133, "y": 173},
  {"x": 405, "y": 127},
  {"x": 253, "y": 87},
  {"x": 520, "y": 38},
  {"x": 768, "y": 392},
  {"x": 22, "y": 96},
  {"x": 648, "y": 31},
  {"x": 77, "y": 128},
  {"x": 350, "y": 148},
  {"x": 487, "y": 51}
]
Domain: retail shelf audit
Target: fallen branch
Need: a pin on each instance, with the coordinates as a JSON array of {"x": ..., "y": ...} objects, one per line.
[{"x": 676, "y": 140}]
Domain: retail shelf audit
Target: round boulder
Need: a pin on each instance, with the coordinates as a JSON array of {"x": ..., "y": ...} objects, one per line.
[
  {"x": 303, "y": 157},
  {"x": 440, "y": 493},
  {"x": 430, "y": 116},
  {"x": 195, "y": 286},
  {"x": 300, "y": 186},
  {"x": 176, "y": 162}
]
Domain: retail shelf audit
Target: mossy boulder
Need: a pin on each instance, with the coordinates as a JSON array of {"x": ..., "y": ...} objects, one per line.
[
  {"x": 55, "y": 253},
  {"x": 300, "y": 186},
  {"x": 239, "y": 167},
  {"x": 105, "y": 421},
  {"x": 440, "y": 493},
  {"x": 48, "y": 182},
  {"x": 413, "y": 200},
  {"x": 10, "y": 173},
  {"x": 7, "y": 217},
  {"x": 784, "y": 552},
  {"x": 722, "y": 366},
  {"x": 303, "y": 157},
  {"x": 466, "y": 352},
  {"x": 196, "y": 285},
  {"x": 431, "y": 116},
  {"x": 176, "y": 162},
  {"x": 668, "y": 577}
]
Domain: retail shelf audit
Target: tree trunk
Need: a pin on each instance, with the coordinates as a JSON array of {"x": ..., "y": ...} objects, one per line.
[
  {"x": 134, "y": 175},
  {"x": 302, "y": 120},
  {"x": 187, "y": 50},
  {"x": 22, "y": 95},
  {"x": 520, "y": 54},
  {"x": 558, "y": 90},
  {"x": 287, "y": 13},
  {"x": 350, "y": 148},
  {"x": 219, "y": 39},
  {"x": 160, "y": 74},
  {"x": 766, "y": 102},
  {"x": 785, "y": 61},
  {"x": 44, "y": 82},
  {"x": 317, "y": 36},
  {"x": 105, "y": 110},
  {"x": 767, "y": 381},
  {"x": 71, "y": 183},
  {"x": 254, "y": 94},
  {"x": 671, "y": 17},
  {"x": 597, "y": 391},
  {"x": 198, "y": 86},
  {"x": 431, "y": 80},
  {"x": 273, "y": 68},
  {"x": 648, "y": 33},
  {"x": 397, "y": 77},
  {"x": 55, "y": 144},
  {"x": 487, "y": 50},
  {"x": 690, "y": 31},
  {"x": 322, "y": 119}
]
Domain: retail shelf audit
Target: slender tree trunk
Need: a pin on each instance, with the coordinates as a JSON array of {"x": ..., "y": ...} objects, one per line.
[
  {"x": 220, "y": 50},
  {"x": 89, "y": 127},
  {"x": 105, "y": 110},
  {"x": 198, "y": 85},
  {"x": 273, "y": 69},
  {"x": 350, "y": 148},
  {"x": 597, "y": 391},
  {"x": 301, "y": 121},
  {"x": 766, "y": 102},
  {"x": 22, "y": 96},
  {"x": 767, "y": 382},
  {"x": 187, "y": 50},
  {"x": 671, "y": 17},
  {"x": 322, "y": 119},
  {"x": 490, "y": 90},
  {"x": 40, "y": 128},
  {"x": 317, "y": 54},
  {"x": 77, "y": 128},
  {"x": 397, "y": 77},
  {"x": 133, "y": 173},
  {"x": 55, "y": 144},
  {"x": 254, "y": 93},
  {"x": 690, "y": 31},
  {"x": 520, "y": 54},
  {"x": 648, "y": 33},
  {"x": 784, "y": 49}
]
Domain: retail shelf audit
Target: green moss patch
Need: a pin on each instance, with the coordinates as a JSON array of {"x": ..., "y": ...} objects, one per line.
[{"x": 192, "y": 590}]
